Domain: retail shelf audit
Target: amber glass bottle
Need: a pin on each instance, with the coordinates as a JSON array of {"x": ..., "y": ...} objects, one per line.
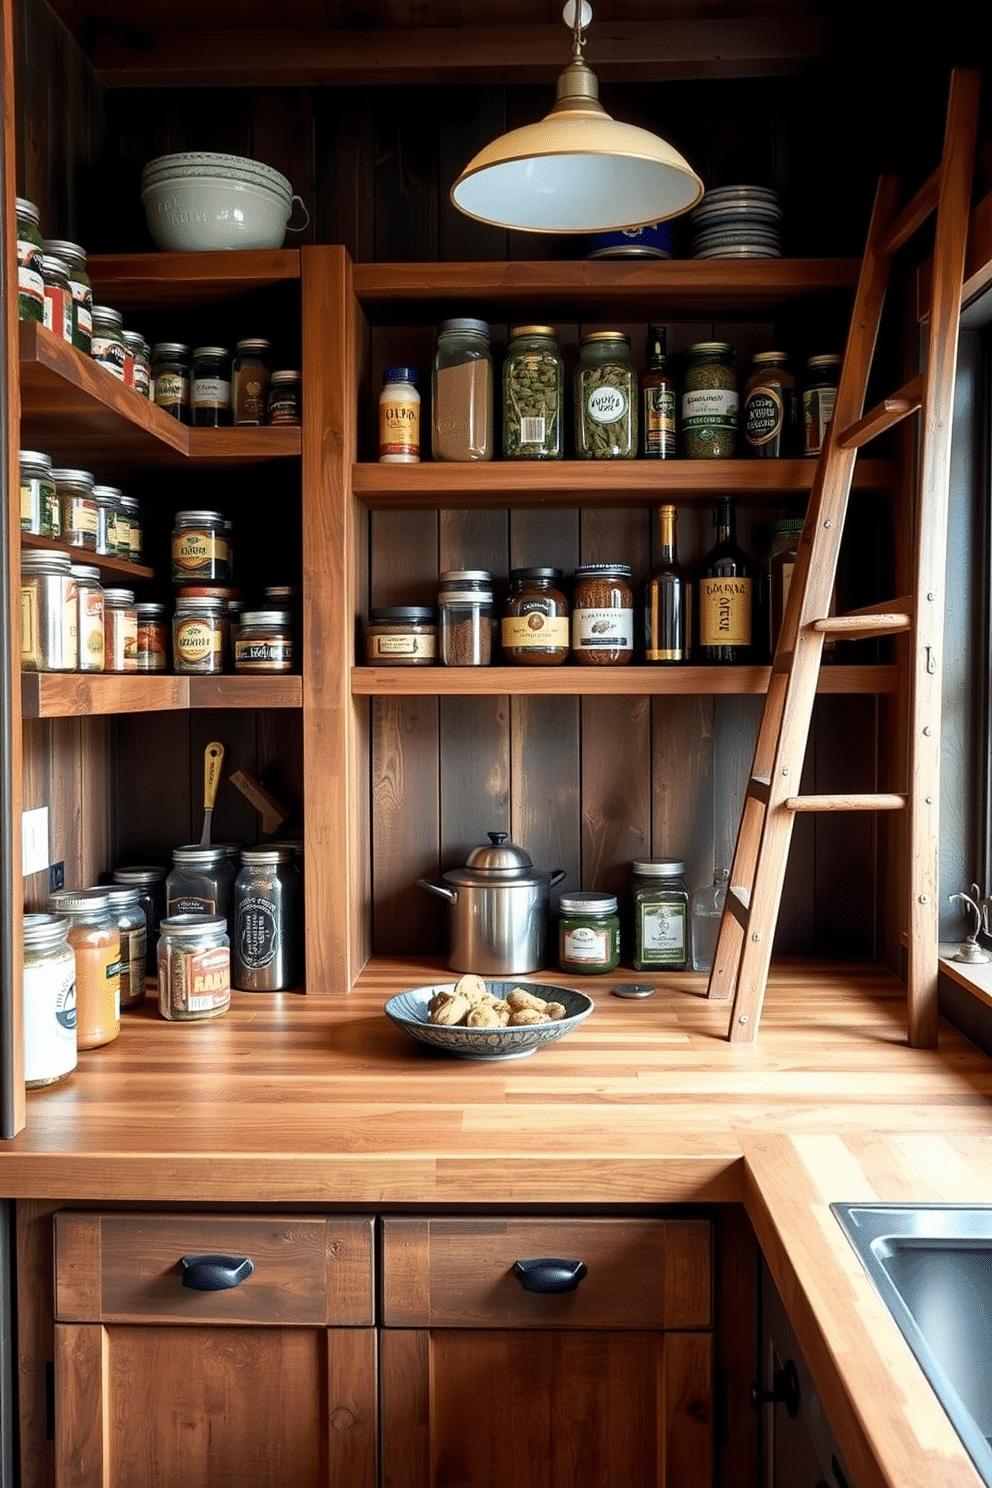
[
  {"x": 658, "y": 434},
  {"x": 726, "y": 593},
  {"x": 667, "y": 600}
]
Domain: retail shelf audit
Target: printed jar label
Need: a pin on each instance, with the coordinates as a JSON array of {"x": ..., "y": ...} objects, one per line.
[
  {"x": 535, "y": 629},
  {"x": 91, "y": 637},
  {"x": 197, "y": 550},
  {"x": 399, "y": 428},
  {"x": 195, "y": 981},
  {"x": 58, "y": 311},
  {"x": 111, "y": 354},
  {"x": 389, "y": 647},
  {"x": 764, "y": 416},
  {"x": 197, "y": 645},
  {"x": 31, "y": 505},
  {"x": 98, "y": 993},
  {"x": 663, "y": 935},
  {"x": 79, "y": 516},
  {"x": 257, "y": 933},
  {"x": 610, "y": 630},
  {"x": 191, "y": 904},
  {"x": 659, "y": 421},
  {"x": 211, "y": 392},
  {"x": 708, "y": 412},
  {"x": 586, "y": 945},
  {"x": 607, "y": 405},
  {"x": 49, "y": 1021},
  {"x": 30, "y": 284},
  {"x": 725, "y": 612},
  {"x": 83, "y": 301},
  {"x": 171, "y": 390}
]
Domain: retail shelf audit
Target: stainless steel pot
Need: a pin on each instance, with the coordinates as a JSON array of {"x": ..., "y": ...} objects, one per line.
[{"x": 499, "y": 909}]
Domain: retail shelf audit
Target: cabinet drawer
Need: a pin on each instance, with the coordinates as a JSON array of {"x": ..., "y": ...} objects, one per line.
[
  {"x": 458, "y": 1273},
  {"x": 125, "y": 1268}
]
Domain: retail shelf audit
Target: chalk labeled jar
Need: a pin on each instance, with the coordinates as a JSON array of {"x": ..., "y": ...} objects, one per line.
[
  {"x": 588, "y": 934},
  {"x": 194, "y": 967},
  {"x": 603, "y": 615},
  {"x": 709, "y": 402},
  {"x": 49, "y": 992},
  {"x": 200, "y": 551},
  {"x": 533, "y": 395},
  {"x": 401, "y": 635},
  {"x": 661, "y": 914},
  {"x": 535, "y": 628},
  {"x": 399, "y": 417},
  {"x": 96, "y": 945},
  {"x": 264, "y": 641},
  {"x": 462, "y": 401},
  {"x": 605, "y": 398}
]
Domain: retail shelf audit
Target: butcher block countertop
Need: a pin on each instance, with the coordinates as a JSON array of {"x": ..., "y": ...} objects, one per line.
[{"x": 321, "y": 1101}]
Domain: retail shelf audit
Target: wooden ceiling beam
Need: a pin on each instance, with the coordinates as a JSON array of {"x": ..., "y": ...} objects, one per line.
[{"x": 649, "y": 51}]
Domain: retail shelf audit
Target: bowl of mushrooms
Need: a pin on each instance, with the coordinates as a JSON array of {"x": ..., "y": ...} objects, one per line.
[{"x": 475, "y": 1018}]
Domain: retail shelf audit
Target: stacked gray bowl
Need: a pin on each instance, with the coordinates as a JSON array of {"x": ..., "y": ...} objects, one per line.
[{"x": 737, "y": 222}]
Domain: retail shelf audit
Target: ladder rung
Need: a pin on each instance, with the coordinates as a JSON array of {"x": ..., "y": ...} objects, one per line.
[
  {"x": 852, "y": 627},
  {"x": 759, "y": 788},
  {"x": 878, "y": 801},
  {"x": 884, "y": 416},
  {"x": 913, "y": 215},
  {"x": 738, "y": 901}
]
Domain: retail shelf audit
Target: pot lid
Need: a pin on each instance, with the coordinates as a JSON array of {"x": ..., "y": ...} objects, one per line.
[{"x": 497, "y": 861}]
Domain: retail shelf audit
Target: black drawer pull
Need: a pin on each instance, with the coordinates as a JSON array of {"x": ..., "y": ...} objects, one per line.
[
  {"x": 548, "y": 1274},
  {"x": 214, "y": 1273}
]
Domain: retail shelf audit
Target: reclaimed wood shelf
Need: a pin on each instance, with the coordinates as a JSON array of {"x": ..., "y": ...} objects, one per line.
[
  {"x": 73, "y": 694},
  {"x": 146, "y": 281},
  {"x": 116, "y": 568},
  {"x": 79, "y": 413},
  {"x": 592, "y": 483},
  {"x": 592, "y": 681}
]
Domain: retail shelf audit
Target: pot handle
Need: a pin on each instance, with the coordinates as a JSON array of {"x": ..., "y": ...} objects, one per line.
[
  {"x": 438, "y": 889},
  {"x": 557, "y": 877}
]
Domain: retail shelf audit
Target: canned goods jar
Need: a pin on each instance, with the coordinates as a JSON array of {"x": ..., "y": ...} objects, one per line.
[
  {"x": 709, "y": 402},
  {"x": 661, "y": 914},
  {"x": 263, "y": 944},
  {"x": 120, "y": 631},
  {"x": 535, "y": 618},
  {"x": 603, "y": 615},
  {"x": 399, "y": 417},
  {"x": 108, "y": 347},
  {"x": 74, "y": 257},
  {"x": 49, "y": 990},
  {"x": 200, "y": 550},
  {"x": 152, "y": 643},
  {"x": 588, "y": 933},
  {"x": 194, "y": 967},
  {"x": 264, "y": 642},
  {"x": 96, "y": 946},
  {"x": 40, "y": 510},
  {"x": 128, "y": 915},
  {"x": 170, "y": 379},
  {"x": 201, "y": 881},
  {"x": 149, "y": 882},
  {"x": 401, "y": 635},
  {"x": 30, "y": 251},
  {"x": 462, "y": 392},
  {"x": 142, "y": 359},
  {"x": 819, "y": 397},
  {"x": 58, "y": 297},
  {"x": 198, "y": 635},
  {"x": 533, "y": 395},
  {"x": 285, "y": 398},
  {"x": 89, "y": 621},
  {"x": 250, "y": 381},
  {"x": 77, "y": 507},
  {"x": 605, "y": 398},
  {"x": 49, "y": 613},
  {"x": 211, "y": 395}
]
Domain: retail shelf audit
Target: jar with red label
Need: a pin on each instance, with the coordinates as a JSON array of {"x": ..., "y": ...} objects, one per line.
[
  {"x": 58, "y": 296},
  {"x": 90, "y": 625},
  {"x": 194, "y": 967},
  {"x": 153, "y": 638},
  {"x": 120, "y": 631},
  {"x": 535, "y": 618}
]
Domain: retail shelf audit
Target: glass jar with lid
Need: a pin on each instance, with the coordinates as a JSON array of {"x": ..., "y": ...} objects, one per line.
[
  {"x": 263, "y": 947},
  {"x": 96, "y": 945},
  {"x": 58, "y": 297},
  {"x": 30, "y": 250},
  {"x": 535, "y": 628},
  {"x": 533, "y": 395},
  {"x": 74, "y": 257},
  {"x": 108, "y": 347},
  {"x": 285, "y": 398},
  {"x": 250, "y": 381},
  {"x": 462, "y": 408},
  {"x": 170, "y": 379},
  {"x": 465, "y": 617},
  {"x": 90, "y": 624},
  {"x": 149, "y": 881},
  {"x": 132, "y": 513},
  {"x": 819, "y": 396},
  {"x": 49, "y": 613},
  {"x": 603, "y": 615},
  {"x": 128, "y": 915},
  {"x": 401, "y": 635},
  {"x": 200, "y": 882},
  {"x": 120, "y": 631},
  {"x": 605, "y": 398},
  {"x": 40, "y": 510},
  {"x": 264, "y": 641},
  {"x": 49, "y": 991},
  {"x": 152, "y": 648},
  {"x": 769, "y": 418},
  {"x": 709, "y": 402},
  {"x": 199, "y": 635},
  {"x": 194, "y": 967},
  {"x": 142, "y": 358},
  {"x": 77, "y": 507},
  {"x": 200, "y": 550},
  {"x": 588, "y": 933},
  {"x": 661, "y": 914},
  {"x": 211, "y": 396},
  {"x": 107, "y": 500}
]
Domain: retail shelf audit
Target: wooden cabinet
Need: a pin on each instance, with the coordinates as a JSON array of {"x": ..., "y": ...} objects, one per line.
[
  {"x": 483, "y": 1381},
  {"x": 270, "y": 1382}
]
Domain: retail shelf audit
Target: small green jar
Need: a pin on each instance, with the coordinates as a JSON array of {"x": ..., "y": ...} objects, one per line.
[
  {"x": 709, "y": 402},
  {"x": 533, "y": 395},
  {"x": 605, "y": 398},
  {"x": 588, "y": 934},
  {"x": 661, "y": 915}
]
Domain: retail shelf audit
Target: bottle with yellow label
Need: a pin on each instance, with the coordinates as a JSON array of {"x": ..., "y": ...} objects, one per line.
[
  {"x": 726, "y": 596},
  {"x": 399, "y": 417}
]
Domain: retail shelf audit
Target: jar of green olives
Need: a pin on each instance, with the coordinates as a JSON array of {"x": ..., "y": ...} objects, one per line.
[
  {"x": 605, "y": 398},
  {"x": 709, "y": 402},
  {"x": 533, "y": 395}
]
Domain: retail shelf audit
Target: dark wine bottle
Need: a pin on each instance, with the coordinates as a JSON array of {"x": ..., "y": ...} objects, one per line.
[
  {"x": 726, "y": 595},
  {"x": 667, "y": 600},
  {"x": 658, "y": 435}
]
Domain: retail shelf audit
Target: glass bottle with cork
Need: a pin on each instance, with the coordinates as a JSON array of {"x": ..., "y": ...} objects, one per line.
[
  {"x": 667, "y": 600},
  {"x": 726, "y": 595},
  {"x": 658, "y": 424}
]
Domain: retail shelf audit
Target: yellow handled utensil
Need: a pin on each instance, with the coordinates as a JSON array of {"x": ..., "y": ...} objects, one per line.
[{"x": 213, "y": 763}]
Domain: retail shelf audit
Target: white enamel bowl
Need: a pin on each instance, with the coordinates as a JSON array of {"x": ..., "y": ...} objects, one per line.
[
  {"x": 201, "y": 214},
  {"x": 409, "y": 1011},
  {"x": 206, "y": 163}
]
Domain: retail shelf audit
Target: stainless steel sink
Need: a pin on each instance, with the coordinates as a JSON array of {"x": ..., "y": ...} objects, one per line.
[{"x": 932, "y": 1266}]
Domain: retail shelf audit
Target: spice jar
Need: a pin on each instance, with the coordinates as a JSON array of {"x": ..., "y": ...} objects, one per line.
[
  {"x": 399, "y": 417},
  {"x": 605, "y": 398},
  {"x": 77, "y": 507},
  {"x": 263, "y": 943},
  {"x": 142, "y": 359},
  {"x": 603, "y": 615},
  {"x": 128, "y": 915},
  {"x": 285, "y": 397},
  {"x": 211, "y": 392},
  {"x": 152, "y": 645},
  {"x": 107, "y": 499},
  {"x": 533, "y": 395},
  {"x": 49, "y": 613},
  {"x": 769, "y": 418},
  {"x": 588, "y": 933},
  {"x": 661, "y": 914},
  {"x": 96, "y": 945},
  {"x": 201, "y": 881},
  {"x": 40, "y": 510},
  {"x": 80, "y": 288},
  {"x": 89, "y": 617},
  {"x": 462, "y": 405},
  {"x": 250, "y": 381},
  {"x": 819, "y": 397},
  {"x": 401, "y": 635},
  {"x": 49, "y": 991},
  {"x": 120, "y": 631},
  {"x": 200, "y": 550},
  {"x": 535, "y": 618},
  {"x": 108, "y": 347},
  {"x": 465, "y": 614},
  {"x": 132, "y": 514},
  {"x": 709, "y": 402},
  {"x": 58, "y": 297},
  {"x": 199, "y": 635},
  {"x": 149, "y": 882},
  {"x": 194, "y": 967},
  {"x": 170, "y": 379},
  {"x": 264, "y": 641},
  {"x": 30, "y": 251}
]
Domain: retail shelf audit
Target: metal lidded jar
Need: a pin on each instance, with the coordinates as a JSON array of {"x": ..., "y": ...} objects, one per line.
[
  {"x": 264, "y": 641},
  {"x": 74, "y": 257},
  {"x": 465, "y": 617},
  {"x": 201, "y": 881},
  {"x": 588, "y": 933},
  {"x": 250, "y": 381},
  {"x": 153, "y": 637},
  {"x": 120, "y": 631},
  {"x": 401, "y": 635},
  {"x": 709, "y": 402},
  {"x": 107, "y": 500},
  {"x": 132, "y": 513},
  {"x": 58, "y": 296},
  {"x": 194, "y": 967},
  {"x": 170, "y": 379},
  {"x": 533, "y": 395},
  {"x": 89, "y": 623},
  {"x": 96, "y": 945},
  {"x": 199, "y": 630},
  {"x": 40, "y": 510},
  {"x": 605, "y": 398},
  {"x": 263, "y": 946},
  {"x": 149, "y": 881},
  {"x": 285, "y": 398},
  {"x": 108, "y": 347},
  {"x": 127, "y": 913},
  {"x": 819, "y": 397},
  {"x": 603, "y": 615},
  {"x": 49, "y": 990},
  {"x": 211, "y": 395},
  {"x": 462, "y": 402},
  {"x": 535, "y": 618},
  {"x": 142, "y": 358},
  {"x": 49, "y": 613},
  {"x": 30, "y": 250},
  {"x": 77, "y": 507},
  {"x": 200, "y": 550},
  {"x": 661, "y": 914},
  {"x": 769, "y": 419}
]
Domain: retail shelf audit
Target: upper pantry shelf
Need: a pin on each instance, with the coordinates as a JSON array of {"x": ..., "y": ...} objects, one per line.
[{"x": 146, "y": 281}]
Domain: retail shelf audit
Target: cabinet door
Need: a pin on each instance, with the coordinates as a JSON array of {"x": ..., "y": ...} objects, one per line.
[{"x": 268, "y": 1383}]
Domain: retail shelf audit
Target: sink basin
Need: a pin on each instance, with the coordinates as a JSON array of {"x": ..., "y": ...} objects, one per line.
[{"x": 932, "y": 1266}]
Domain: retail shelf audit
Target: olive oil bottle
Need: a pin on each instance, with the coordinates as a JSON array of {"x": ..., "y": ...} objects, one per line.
[
  {"x": 658, "y": 434},
  {"x": 667, "y": 600},
  {"x": 726, "y": 595}
]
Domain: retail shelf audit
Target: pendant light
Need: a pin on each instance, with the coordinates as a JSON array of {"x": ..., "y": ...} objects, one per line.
[{"x": 577, "y": 170}]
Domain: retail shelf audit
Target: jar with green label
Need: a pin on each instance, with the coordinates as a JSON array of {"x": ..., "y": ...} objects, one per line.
[
  {"x": 605, "y": 398},
  {"x": 40, "y": 510},
  {"x": 533, "y": 395},
  {"x": 709, "y": 402},
  {"x": 30, "y": 250},
  {"x": 661, "y": 914},
  {"x": 588, "y": 933},
  {"x": 80, "y": 288}
]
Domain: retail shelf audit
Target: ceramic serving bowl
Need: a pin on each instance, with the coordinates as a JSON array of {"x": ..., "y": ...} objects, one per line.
[
  {"x": 195, "y": 214},
  {"x": 218, "y": 166},
  {"x": 409, "y": 1011}
]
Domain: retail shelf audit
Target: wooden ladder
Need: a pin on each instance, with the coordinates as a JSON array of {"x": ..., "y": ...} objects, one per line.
[{"x": 747, "y": 926}]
